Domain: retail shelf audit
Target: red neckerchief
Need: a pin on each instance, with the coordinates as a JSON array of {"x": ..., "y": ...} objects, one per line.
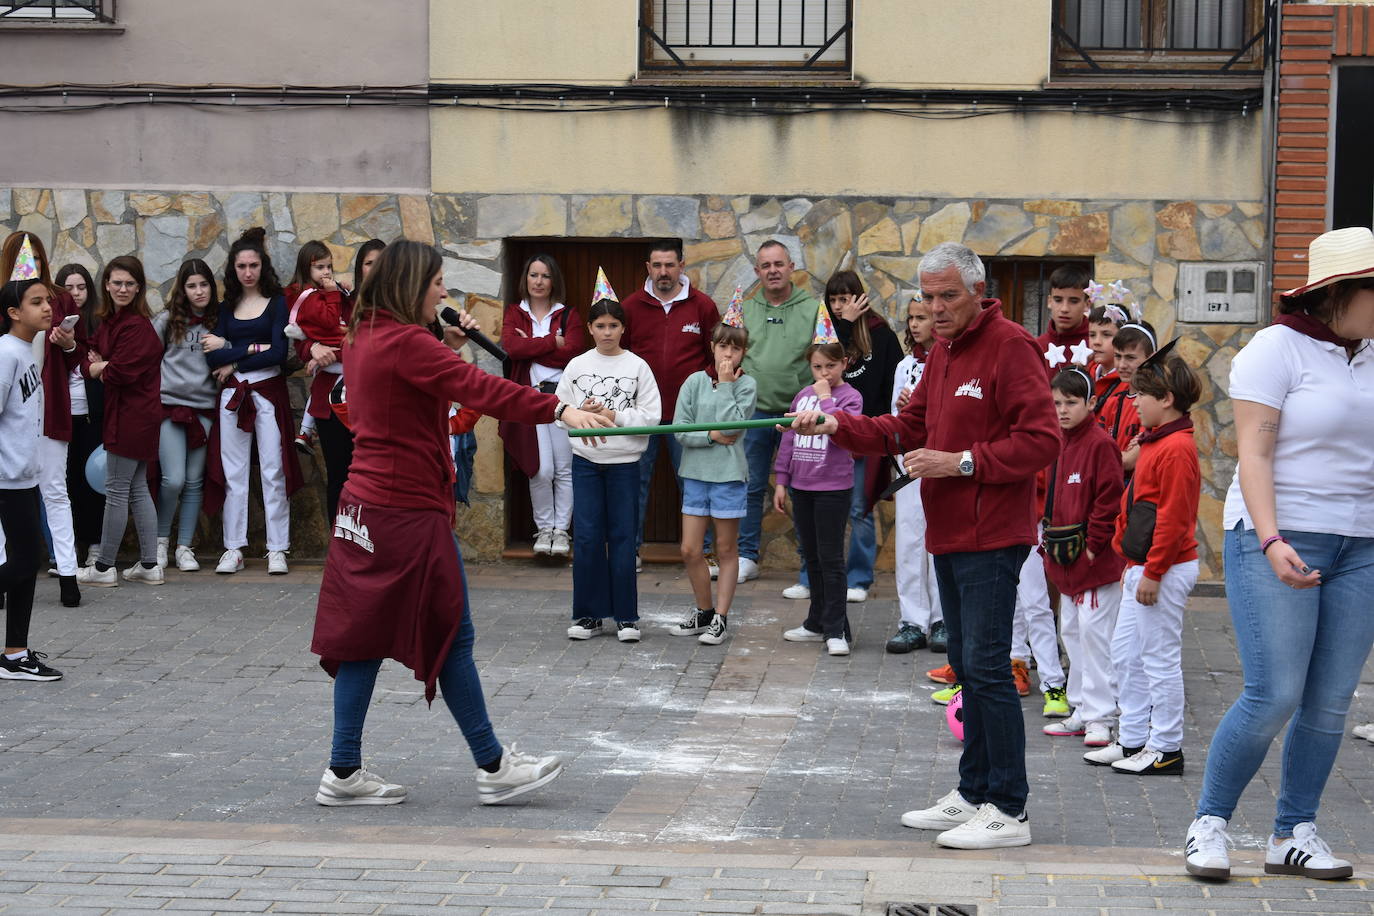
[
  {"x": 1304, "y": 323},
  {"x": 1173, "y": 426}
]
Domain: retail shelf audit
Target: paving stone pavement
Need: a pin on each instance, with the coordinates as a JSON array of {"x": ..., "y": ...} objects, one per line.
[{"x": 194, "y": 714}]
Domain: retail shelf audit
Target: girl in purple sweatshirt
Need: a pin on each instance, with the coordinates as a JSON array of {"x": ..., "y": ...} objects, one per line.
[{"x": 820, "y": 475}]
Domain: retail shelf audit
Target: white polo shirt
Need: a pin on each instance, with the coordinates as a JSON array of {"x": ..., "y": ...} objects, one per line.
[{"x": 1324, "y": 455}]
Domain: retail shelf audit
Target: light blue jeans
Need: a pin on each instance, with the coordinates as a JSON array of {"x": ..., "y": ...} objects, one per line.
[
  {"x": 1302, "y": 652},
  {"x": 863, "y": 538},
  {"x": 183, "y": 475}
]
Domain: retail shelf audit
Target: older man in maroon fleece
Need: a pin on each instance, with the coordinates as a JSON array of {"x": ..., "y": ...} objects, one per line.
[{"x": 977, "y": 429}]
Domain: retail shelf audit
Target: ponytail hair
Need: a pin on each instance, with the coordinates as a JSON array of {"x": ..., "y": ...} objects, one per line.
[{"x": 254, "y": 240}]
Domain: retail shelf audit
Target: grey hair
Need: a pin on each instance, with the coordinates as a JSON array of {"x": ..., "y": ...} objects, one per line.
[{"x": 960, "y": 257}]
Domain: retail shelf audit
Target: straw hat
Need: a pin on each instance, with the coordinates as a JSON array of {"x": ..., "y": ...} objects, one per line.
[{"x": 1341, "y": 254}]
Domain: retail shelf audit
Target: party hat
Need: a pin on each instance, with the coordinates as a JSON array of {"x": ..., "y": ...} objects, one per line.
[
  {"x": 26, "y": 265},
  {"x": 734, "y": 312},
  {"x": 603, "y": 288},
  {"x": 825, "y": 328}
]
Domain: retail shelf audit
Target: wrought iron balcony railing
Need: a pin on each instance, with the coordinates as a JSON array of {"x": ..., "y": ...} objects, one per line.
[{"x": 801, "y": 35}]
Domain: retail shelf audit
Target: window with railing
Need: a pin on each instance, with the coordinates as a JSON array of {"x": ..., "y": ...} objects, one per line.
[
  {"x": 43, "y": 12},
  {"x": 807, "y": 36},
  {"x": 1167, "y": 37}
]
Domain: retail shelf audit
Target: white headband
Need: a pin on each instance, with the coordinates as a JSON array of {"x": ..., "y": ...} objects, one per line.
[{"x": 1154, "y": 344}]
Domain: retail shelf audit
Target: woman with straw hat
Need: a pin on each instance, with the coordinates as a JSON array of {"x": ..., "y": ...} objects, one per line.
[{"x": 1299, "y": 554}]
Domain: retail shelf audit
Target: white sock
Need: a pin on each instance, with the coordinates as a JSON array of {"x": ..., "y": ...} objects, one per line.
[{"x": 15, "y": 656}]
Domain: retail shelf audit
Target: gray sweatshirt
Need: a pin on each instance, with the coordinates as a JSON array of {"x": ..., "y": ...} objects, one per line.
[
  {"x": 186, "y": 379},
  {"x": 21, "y": 414}
]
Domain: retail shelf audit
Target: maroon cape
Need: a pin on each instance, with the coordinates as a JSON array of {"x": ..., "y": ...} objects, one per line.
[{"x": 274, "y": 390}]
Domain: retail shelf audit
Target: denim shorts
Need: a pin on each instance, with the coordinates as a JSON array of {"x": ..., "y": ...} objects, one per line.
[{"x": 726, "y": 499}]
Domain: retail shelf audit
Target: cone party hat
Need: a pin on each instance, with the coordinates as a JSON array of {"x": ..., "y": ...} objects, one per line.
[
  {"x": 25, "y": 265},
  {"x": 603, "y": 288},
  {"x": 825, "y": 328},
  {"x": 734, "y": 312}
]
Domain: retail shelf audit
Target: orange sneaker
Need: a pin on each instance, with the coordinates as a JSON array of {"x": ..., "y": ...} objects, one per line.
[
  {"x": 943, "y": 675},
  {"x": 1021, "y": 674}
]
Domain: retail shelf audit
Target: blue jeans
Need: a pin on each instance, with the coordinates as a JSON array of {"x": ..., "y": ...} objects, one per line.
[
  {"x": 978, "y": 594},
  {"x": 760, "y": 447},
  {"x": 605, "y": 517},
  {"x": 646, "y": 475},
  {"x": 183, "y": 475},
  {"x": 863, "y": 538},
  {"x": 458, "y": 684},
  {"x": 1302, "y": 652}
]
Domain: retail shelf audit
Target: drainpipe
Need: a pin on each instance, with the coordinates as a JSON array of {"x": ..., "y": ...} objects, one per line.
[{"x": 1271, "y": 133}]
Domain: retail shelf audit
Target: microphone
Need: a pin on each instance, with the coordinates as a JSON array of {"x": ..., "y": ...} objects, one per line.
[{"x": 450, "y": 316}]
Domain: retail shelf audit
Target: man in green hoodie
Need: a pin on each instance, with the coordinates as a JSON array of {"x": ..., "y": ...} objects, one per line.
[{"x": 781, "y": 320}]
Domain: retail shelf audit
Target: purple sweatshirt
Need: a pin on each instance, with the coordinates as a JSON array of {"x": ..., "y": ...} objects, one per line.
[{"x": 814, "y": 462}]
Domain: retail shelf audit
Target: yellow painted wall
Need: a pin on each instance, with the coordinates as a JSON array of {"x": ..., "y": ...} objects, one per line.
[
  {"x": 1037, "y": 154},
  {"x": 906, "y": 43}
]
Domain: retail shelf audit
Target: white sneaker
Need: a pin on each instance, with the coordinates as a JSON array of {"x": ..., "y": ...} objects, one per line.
[
  {"x": 1150, "y": 762},
  {"x": 137, "y": 573},
  {"x": 837, "y": 645},
  {"x": 186, "y": 559},
  {"x": 362, "y": 788},
  {"x": 162, "y": 545},
  {"x": 802, "y": 634},
  {"x": 748, "y": 569},
  {"x": 560, "y": 546},
  {"x": 627, "y": 632},
  {"x": 276, "y": 563},
  {"x": 990, "y": 828},
  {"x": 543, "y": 541},
  {"x": 1204, "y": 852},
  {"x": 519, "y": 773},
  {"x": 1106, "y": 756},
  {"x": 1365, "y": 731},
  {"x": 797, "y": 592},
  {"x": 1072, "y": 726},
  {"x": 945, "y": 814},
  {"x": 89, "y": 575},
  {"x": 1097, "y": 734},
  {"x": 855, "y": 595},
  {"x": 1306, "y": 854},
  {"x": 231, "y": 561}
]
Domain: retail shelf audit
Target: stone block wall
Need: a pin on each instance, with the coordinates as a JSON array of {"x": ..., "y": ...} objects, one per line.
[{"x": 1139, "y": 242}]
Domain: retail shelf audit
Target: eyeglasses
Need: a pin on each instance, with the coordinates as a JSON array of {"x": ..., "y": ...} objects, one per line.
[{"x": 124, "y": 284}]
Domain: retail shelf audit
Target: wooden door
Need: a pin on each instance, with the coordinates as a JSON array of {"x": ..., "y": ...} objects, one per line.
[
  {"x": 623, "y": 260},
  {"x": 1023, "y": 285}
]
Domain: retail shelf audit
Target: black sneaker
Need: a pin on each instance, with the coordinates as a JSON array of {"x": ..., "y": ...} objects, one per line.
[
  {"x": 28, "y": 668},
  {"x": 585, "y": 628},
  {"x": 625, "y": 630},
  {"x": 909, "y": 638},
  {"x": 696, "y": 621},
  {"x": 715, "y": 632},
  {"x": 939, "y": 637},
  {"x": 71, "y": 592}
]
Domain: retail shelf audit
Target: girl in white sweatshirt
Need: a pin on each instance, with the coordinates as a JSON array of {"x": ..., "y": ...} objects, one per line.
[{"x": 619, "y": 385}]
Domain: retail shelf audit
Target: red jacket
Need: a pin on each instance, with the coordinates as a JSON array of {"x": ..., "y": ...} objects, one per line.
[
  {"x": 1105, "y": 382},
  {"x": 133, "y": 384},
  {"x": 400, "y": 383},
  {"x": 1120, "y": 418},
  {"x": 1087, "y": 489},
  {"x": 674, "y": 343},
  {"x": 1066, "y": 339},
  {"x": 322, "y": 317},
  {"x": 983, "y": 391},
  {"x": 521, "y": 441},
  {"x": 57, "y": 370},
  {"x": 1167, "y": 474}
]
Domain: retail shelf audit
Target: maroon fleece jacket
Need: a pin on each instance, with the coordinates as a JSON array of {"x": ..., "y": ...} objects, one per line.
[
  {"x": 1087, "y": 489},
  {"x": 675, "y": 343},
  {"x": 1066, "y": 339}
]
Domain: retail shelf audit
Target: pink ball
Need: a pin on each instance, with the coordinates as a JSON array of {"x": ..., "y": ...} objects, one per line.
[{"x": 954, "y": 715}]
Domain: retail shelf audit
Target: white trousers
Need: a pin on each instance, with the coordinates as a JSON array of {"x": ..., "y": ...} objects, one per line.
[
  {"x": 551, "y": 492},
  {"x": 236, "y": 459},
  {"x": 1087, "y": 625},
  {"x": 1147, "y": 655},
  {"x": 1032, "y": 629},
  {"x": 52, "y": 484},
  {"x": 918, "y": 599}
]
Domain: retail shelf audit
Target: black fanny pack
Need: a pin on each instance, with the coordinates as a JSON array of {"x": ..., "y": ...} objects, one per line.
[
  {"x": 1063, "y": 544},
  {"x": 1139, "y": 535},
  {"x": 548, "y": 387}
]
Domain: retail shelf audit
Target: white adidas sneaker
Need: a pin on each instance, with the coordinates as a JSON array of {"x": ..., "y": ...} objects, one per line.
[
  {"x": 1306, "y": 854},
  {"x": 1204, "y": 852}
]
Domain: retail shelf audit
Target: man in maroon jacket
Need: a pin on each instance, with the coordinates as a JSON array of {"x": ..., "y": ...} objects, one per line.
[
  {"x": 668, "y": 325},
  {"x": 977, "y": 429}
]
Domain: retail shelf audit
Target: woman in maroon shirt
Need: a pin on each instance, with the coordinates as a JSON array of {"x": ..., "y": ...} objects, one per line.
[
  {"x": 393, "y": 582},
  {"x": 127, "y": 356}
]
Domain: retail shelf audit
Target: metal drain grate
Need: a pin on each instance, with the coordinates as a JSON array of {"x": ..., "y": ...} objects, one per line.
[{"x": 932, "y": 909}]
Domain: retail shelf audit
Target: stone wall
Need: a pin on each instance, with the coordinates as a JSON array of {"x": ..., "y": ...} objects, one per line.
[{"x": 1138, "y": 242}]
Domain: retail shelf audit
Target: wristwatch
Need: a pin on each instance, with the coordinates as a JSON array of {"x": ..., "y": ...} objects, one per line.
[
  {"x": 558, "y": 411},
  {"x": 966, "y": 464}
]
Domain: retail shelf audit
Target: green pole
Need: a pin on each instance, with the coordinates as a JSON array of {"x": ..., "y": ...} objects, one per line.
[{"x": 598, "y": 432}]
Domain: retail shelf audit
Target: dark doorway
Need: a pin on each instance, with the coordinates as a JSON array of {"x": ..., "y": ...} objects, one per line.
[
  {"x": 1023, "y": 285},
  {"x": 623, "y": 260},
  {"x": 1352, "y": 190}
]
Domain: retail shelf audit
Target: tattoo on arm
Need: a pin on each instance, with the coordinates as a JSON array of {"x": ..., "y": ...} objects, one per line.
[{"x": 1269, "y": 426}]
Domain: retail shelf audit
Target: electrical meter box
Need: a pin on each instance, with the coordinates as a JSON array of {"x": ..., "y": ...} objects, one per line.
[{"x": 1215, "y": 292}]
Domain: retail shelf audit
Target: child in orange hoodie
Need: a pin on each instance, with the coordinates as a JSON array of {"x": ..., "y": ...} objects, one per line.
[{"x": 1156, "y": 533}]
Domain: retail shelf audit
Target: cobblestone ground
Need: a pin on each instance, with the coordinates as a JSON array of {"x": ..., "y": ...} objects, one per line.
[{"x": 759, "y": 776}]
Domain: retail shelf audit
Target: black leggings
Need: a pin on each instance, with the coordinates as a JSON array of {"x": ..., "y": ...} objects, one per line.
[
  {"x": 820, "y": 516},
  {"x": 19, "y": 574},
  {"x": 88, "y": 506},
  {"x": 336, "y": 442}
]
